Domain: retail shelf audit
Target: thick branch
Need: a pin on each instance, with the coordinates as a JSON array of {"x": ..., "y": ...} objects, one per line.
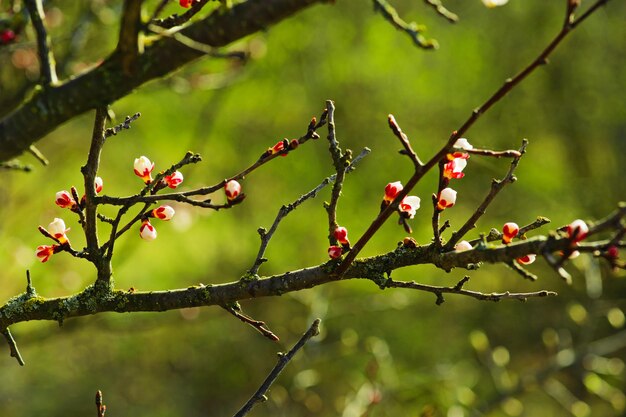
[
  {"x": 46, "y": 109},
  {"x": 92, "y": 301}
]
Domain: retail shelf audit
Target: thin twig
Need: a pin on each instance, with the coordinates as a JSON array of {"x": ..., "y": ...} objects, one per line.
[
  {"x": 100, "y": 407},
  {"x": 46, "y": 58},
  {"x": 341, "y": 160},
  {"x": 458, "y": 289},
  {"x": 15, "y": 353},
  {"x": 404, "y": 140},
  {"x": 266, "y": 235},
  {"x": 257, "y": 325},
  {"x": 412, "y": 29},
  {"x": 38, "y": 155},
  {"x": 89, "y": 170},
  {"x": 495, "y": 235},
  {"x": 442, "y": 11},
  {"x": 175, "y": 19},
  {"x": 15, "y": 166},
  {"x": 496, "y": 187},
  {"x": 283, "y": 360},
  {"x": 112, "y": 131}
]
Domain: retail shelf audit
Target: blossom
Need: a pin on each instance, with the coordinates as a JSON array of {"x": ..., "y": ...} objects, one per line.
[
  {"x": 335, "y": 251},
  {"x": 494, "y": 3},
  {"x": 57, "y": 229},
  {"x": 185, "y": 3},
  {"x": 409, "y": 206},
  {"x": 173, "y": 180},
  {"x": 461, "y": 143},
  {"x": 98, "y": 184},
  {"x": 392, "y": 190},
  {"x": 527, "y": 259},
  {"x": 577, "y": 230},
  {"x": 163, "y": 212},
  {"x": 44, "y": 252},
  {"x": 232, "y": 189},
  {"x": 462, "y": 246},
  {"x": 341, "y": 234},
  {"x": 143, "y": 167},
  {"x": 64, "y": 199},
  {"x": 147, "y": 231},
  {"x": 509, "y": 231},
  {"x": 447, "y": 198},
  {"x": 454, "y": 168}
]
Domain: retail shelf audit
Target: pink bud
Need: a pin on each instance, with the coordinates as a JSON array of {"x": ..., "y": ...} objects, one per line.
[
  {"x": 462, "y": 246},
  {"x": 527, "y": 259},
  {"x": 232, "y": 190},
  {"x": 612, "y": 252},
  {"x": 57, "y": 229},
  {"x": 335, "y": 252},
  {"x": 143, "y": 167},
  {"x": 147, "y": 231},
  {"x": 185, "y": 3},
  {"x": 341, "y": 234},
  {"x": 454, "y": 168},
  {"x": 98, "y": 184},
  {"x": 6, "y": 36},
  {"x": 174, "y": 180},
  {"x": 447, "y": 198},
  {"x": 164, "y": 213},
  {"x": 577, "y": 230},
  {"x": 279, "y": 147},
  {"x": 509, "y": 231},
  {"x": 391, "y": 190},
  {"x": 64, "y": 199},
  {"x": 409, "y": 205},
  {"x": 44, "y": 252}
]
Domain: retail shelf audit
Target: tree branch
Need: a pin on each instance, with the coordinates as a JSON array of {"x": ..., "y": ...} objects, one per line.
[
  {"x": 46, "y": 109},
  {"x": 46, "y": 58},
  {"x": 283, "y": 360}
]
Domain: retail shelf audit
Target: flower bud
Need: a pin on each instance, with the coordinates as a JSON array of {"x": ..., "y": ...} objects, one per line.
[
  {"x": 147, "y": 231},
  {"x": 577, "y": 230},
  {"x": 612, "y": 252},
  {"x": 341, "y": 234},
  {"x": 462, "y": 246},
  {"x": 143, "y": 167},
  {"x": 494, "y": 3},
  {"x": 57, "y": 229},
  {"x": 163, "y": 213},
  {"x": 6, "y": 36},
  {"x": 232, "y": 189},
  {"x": 335, "y": 252},
  {"x": 447, "y": 198},
  {"x": 98, "y": 184},
  {"x": 527, "y": 259},
  {"x": 509, "y": 231},
  {"x": 64, "y": 199},
  {"x": 185, "y": 3},
  {"x": 44, "y": 252},
  {"x": 409, "y": 206},
  {"x": 454, "y": 168},
  {"x": 463, "y": 143},
  {"x": 173, "y": 180},
  {"x": 391, "y": 191},
  {"x": 279, "y": 147}
]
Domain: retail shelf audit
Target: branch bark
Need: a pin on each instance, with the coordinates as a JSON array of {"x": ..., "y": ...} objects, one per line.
[{"x": 48, "y": 108}]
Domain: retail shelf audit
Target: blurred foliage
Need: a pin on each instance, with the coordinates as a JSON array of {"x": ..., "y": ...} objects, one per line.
[{"x": 379, "y": 354}]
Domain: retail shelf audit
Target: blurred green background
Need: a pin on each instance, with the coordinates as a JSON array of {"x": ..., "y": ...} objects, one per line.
[{"x": 391, "y": 353}]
